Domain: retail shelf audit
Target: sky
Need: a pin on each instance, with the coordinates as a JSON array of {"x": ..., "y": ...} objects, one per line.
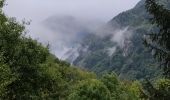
[
  {"x": 87, "y": 10},
  {"x": 100, "y": 9}
]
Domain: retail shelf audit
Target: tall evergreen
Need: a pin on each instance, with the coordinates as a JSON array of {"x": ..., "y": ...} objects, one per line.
[{"x": 159, "y": 41}]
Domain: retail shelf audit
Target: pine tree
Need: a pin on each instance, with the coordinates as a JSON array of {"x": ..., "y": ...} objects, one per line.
[{"x": 159, "y": 41}]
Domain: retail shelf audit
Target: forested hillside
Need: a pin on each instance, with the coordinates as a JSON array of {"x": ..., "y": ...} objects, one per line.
[
  {"x": 28, "y": 71},
  {"x": 126, "y": 54}
]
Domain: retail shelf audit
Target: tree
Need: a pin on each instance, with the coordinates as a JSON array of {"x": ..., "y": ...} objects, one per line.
[
  {"x": 113, "y": 84},
  {"x": 159, "y": 41},
  {"x": 160, "y": 90},
  {"x": 21, "y": 74},
  {"x": 120, "y": 90},
  {"x": 90, "y": 89}
]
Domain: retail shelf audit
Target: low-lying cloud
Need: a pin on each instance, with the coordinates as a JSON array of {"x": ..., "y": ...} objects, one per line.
[
  {"x": 67, "y": 32},
  {"x": 87, "y": 15}
]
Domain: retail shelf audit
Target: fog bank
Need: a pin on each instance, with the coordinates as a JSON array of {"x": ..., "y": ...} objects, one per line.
[{"x": 59, "y": 33}]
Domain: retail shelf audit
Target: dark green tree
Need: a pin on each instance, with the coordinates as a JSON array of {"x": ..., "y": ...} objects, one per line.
[
  {"x": 159, "y": 40},
  {"x": 113, "y": 84},
  {"x": 90, "y": 89},
  {"x": 21, "y": 74},
  {"x": 120, "y": 90}
]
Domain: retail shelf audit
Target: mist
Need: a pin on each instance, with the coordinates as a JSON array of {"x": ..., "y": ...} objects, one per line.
[{"x": 50, "y": 19}]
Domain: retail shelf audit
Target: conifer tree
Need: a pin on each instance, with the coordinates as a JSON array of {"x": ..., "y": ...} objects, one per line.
[{"x": 159, "y": 41}]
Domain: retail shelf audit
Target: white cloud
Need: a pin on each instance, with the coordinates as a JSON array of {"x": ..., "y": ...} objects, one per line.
[
  {"x": 86, "y": 10},
  {"x": 111, "y": 50}
]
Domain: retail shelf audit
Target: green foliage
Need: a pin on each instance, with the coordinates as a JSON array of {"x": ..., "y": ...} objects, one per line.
[
  {"x": 6, "y": 78},
  {"x": 113, "y": 84},
  {"x": 21, "y": 57},
  {"x": 159, "y": 41},
  {"x": 90, "y": 90},
  {"x": 132, "y": 61},
  {"x": 27, "y": 69},
  {"x": 29, "y": 72},
  {"x": 134, "y": 90},
  {"x": 121, "y": 90},
  {"x": 163, "y": 85},
  {"x": 160, "y": 90},
  {"x": 107, "y": 88}
]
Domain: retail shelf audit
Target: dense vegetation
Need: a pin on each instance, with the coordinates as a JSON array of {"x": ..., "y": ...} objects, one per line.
[
  {"x": 132, "y": 61},
  {"x": 159, "y": 42},
  {"x": 29, "y": 71}
]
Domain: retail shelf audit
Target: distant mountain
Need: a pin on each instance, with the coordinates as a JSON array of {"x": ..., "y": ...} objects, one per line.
[
  {"x": 67, "y": 32},
  {"x": 118, "y": 46}
]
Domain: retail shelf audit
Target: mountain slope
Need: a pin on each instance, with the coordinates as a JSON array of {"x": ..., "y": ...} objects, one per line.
[{"x": 119, "y": 46}]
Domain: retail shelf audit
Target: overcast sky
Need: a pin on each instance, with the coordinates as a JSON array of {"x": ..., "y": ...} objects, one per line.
[
  {"x": 39, "y": 10},
  {"x": 100, "y": 9}
]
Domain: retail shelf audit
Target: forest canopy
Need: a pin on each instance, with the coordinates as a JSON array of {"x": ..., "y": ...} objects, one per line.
[{"x": 29, "y": 71}]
